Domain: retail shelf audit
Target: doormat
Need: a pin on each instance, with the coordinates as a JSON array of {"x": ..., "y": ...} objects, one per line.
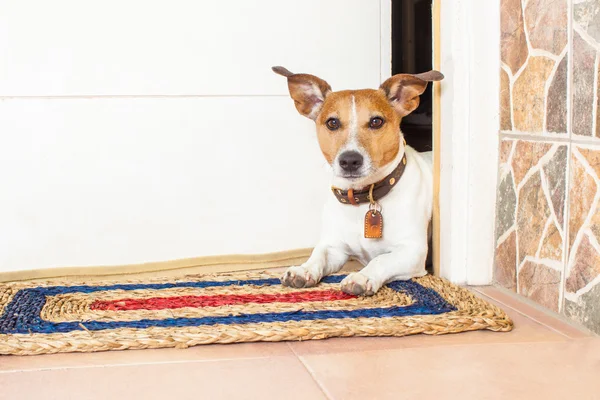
[{"x": 67, "y": 316}]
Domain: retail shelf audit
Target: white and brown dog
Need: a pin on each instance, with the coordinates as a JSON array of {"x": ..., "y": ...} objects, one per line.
[{"x": 375, "y": 176}]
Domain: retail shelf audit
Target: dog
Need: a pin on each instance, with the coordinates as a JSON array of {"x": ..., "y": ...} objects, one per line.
[{"x": 377, "y": 178}]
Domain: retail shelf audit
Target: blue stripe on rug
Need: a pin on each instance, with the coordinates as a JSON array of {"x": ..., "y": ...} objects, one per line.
[{"x": 22, "y": 315}]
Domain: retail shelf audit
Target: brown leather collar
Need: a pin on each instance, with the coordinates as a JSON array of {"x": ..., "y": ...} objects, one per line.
[{"x": 379, "y": 189}]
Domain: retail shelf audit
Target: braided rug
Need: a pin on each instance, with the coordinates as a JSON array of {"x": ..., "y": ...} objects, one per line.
[{"x": 67, "y": 316}]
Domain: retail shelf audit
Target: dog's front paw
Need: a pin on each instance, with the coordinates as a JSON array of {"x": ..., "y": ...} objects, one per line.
[
  {"x": 299, "y": 277},
  {"x": 358, "y": 284}
]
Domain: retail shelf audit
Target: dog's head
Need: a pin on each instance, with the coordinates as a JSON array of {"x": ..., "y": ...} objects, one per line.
[{"x": 358, "y": 130}]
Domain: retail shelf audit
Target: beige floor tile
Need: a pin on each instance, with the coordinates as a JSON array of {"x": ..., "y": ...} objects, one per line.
[
  {"x": 198, "y": 353},
  {"x": 265, "y": 378},
  {"x": 551, "y": 370},
  {"x": 536, "y": 313},
  {"x": 525, "y": 330}
]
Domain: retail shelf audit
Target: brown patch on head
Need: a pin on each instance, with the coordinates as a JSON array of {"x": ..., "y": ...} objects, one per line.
[
  {"x": 381, "y": 144},
  {"x": 355, "y": 109}
]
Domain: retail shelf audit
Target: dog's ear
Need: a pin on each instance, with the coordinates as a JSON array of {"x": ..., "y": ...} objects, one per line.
[
  {"x": 308, "y": 91},
  {"x": 403, "y": 90}
]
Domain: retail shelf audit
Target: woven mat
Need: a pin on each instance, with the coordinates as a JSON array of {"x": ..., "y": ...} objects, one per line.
[{"x": 53, "y": 317}]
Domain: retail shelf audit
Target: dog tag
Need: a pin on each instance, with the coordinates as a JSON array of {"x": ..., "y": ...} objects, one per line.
[{"x": 373, "y": 225}]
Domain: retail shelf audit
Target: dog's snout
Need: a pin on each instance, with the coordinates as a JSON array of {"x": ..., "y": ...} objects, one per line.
[{"x": 351, "y": 161}]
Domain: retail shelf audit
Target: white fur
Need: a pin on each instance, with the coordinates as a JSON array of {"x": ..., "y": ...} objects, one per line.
[
  {"x": 313, "y": 90},
  {"x": 400, "y": 254},
  {"x": 353, "y": 145},
  {"x": 353, "y": 121}
]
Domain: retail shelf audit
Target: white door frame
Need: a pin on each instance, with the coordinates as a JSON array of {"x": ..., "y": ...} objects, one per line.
[
  {"x": 470, "y": 60},
  {"x": 467, "y": 52}
]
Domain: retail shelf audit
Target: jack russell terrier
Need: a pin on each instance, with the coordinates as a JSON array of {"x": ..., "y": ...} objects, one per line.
[{"x": 376, "y": 177}]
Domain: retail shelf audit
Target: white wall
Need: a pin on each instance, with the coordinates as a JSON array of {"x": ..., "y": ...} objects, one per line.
[{"x": 137, "y": 131}]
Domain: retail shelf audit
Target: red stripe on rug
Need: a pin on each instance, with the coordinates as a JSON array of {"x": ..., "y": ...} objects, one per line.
[{"x": 161, "y": 303}]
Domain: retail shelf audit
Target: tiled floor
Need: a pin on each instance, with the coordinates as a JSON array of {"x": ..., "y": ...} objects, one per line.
[{"x": 543, "y": 357}]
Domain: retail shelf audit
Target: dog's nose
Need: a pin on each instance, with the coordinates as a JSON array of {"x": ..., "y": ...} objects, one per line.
[{"x": 351, "y": 161}]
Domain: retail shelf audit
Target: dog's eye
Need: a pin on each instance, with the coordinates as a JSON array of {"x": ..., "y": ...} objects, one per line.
[
  {"x": 376, "y": 122},
  {"x": 333, "y": 124}
]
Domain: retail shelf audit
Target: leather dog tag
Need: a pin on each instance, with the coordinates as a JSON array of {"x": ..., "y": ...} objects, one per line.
[{"x": 373, "y": 225}]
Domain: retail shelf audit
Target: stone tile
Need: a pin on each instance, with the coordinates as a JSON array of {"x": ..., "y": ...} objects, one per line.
[
  {"x": 556, "y": 178},
  {"x": 529, "y": 96},
  {"x": 597, "y": 133},
  {"x": 506, "y": 205},
  {"x": 581, "y": 195},
  {"x": 505, "y": 111},
  {"x": 506, "y": 146},
  {"x": 556, "y": 107},
  {"x": 592, "y": 156},
  {"x": 586, "y": 14},
  {"x": 586, "y": 310},
  {"x": 585, "y": 267},
  {"x": 546, "y": 22},
  {"x": 595, "y": 224},
  {"x": 513, "y": 45},
  {"x": 540, "y": 283},
  {"x": 532, "y": 214},
  {"x": 505, "y": 263},
  {"x": 552, "y": 244},
  {"x": 584, "y": 57},
  {"x": 527, "y": 154}
]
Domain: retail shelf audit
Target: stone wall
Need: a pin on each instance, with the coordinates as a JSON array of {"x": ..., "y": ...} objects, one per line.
[{"x": 548, "y": 211}]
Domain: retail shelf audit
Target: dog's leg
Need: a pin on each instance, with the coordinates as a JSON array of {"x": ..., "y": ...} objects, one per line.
[
  {"x": 323, "y": 261},
  {"x": 405, "y": 262}
]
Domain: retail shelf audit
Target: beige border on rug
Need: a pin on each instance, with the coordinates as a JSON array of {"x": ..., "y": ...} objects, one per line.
[{"x": 472, "y": 313}]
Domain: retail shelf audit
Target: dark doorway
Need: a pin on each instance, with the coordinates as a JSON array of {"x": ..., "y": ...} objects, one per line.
[
  {"x": 412, "y": 53},
  {"x": 412, "y": 45}
]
